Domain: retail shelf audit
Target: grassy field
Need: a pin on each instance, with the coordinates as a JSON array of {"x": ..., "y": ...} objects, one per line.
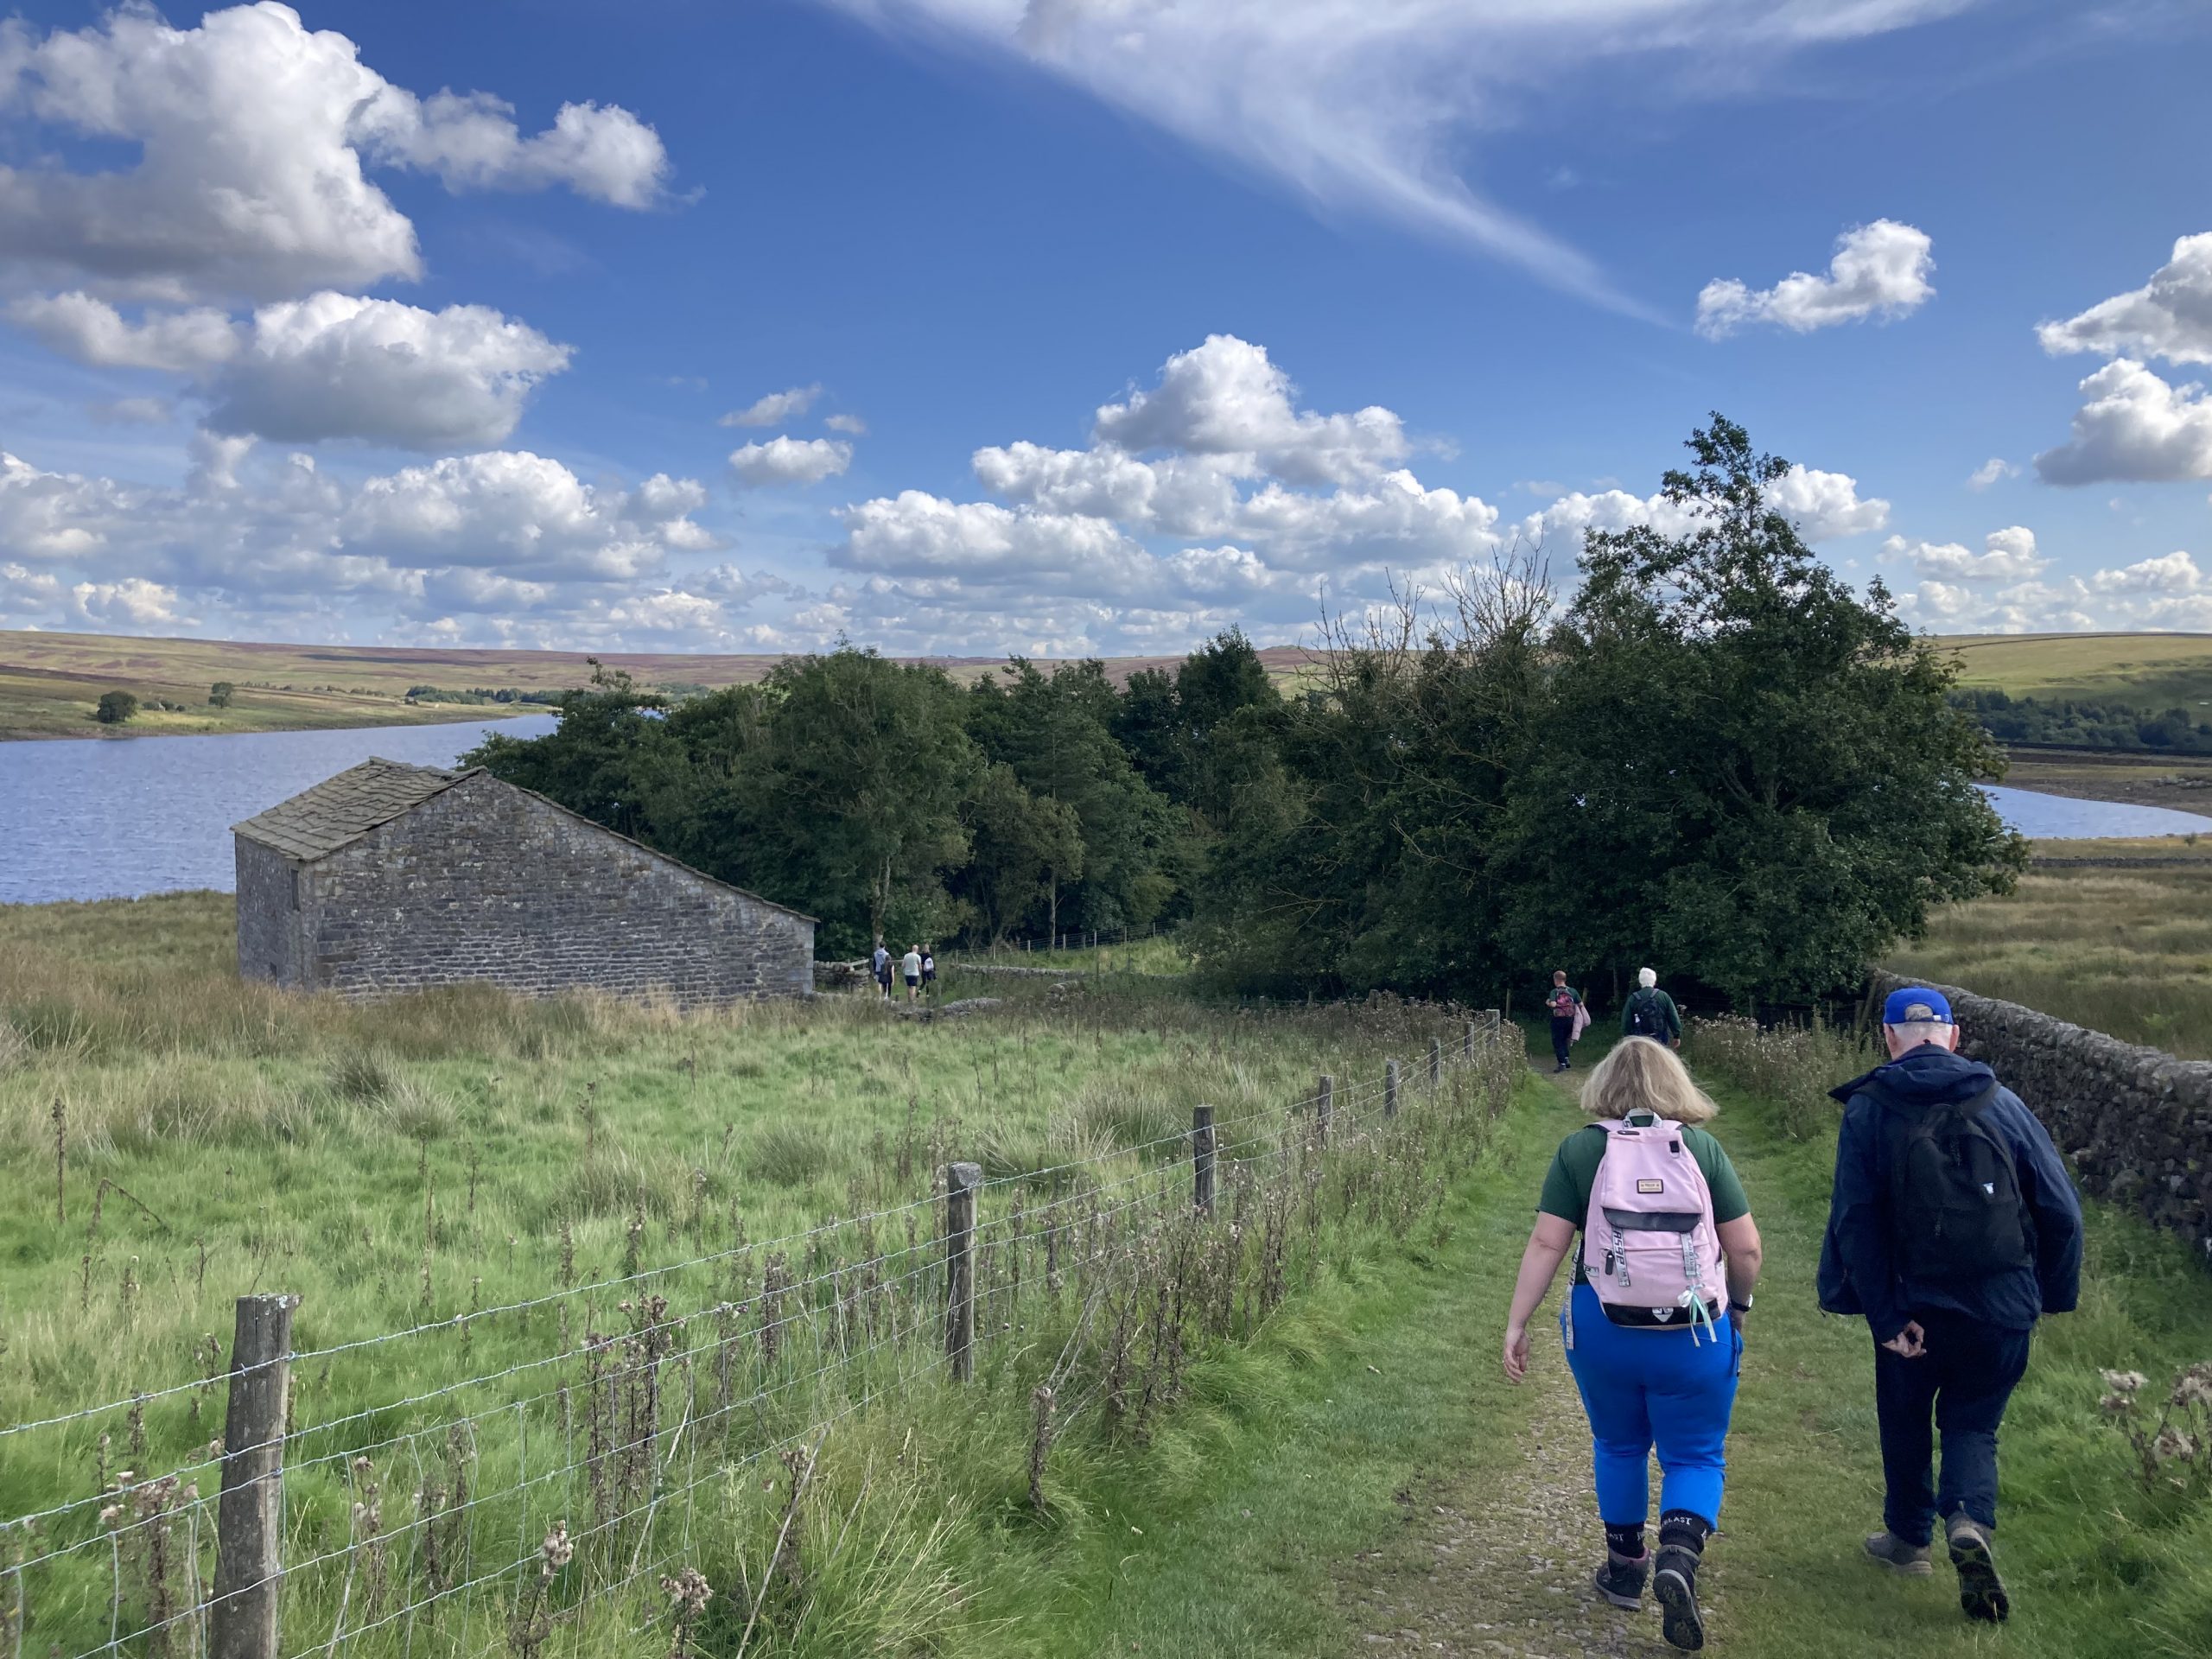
[
  {"x": 2147, "y": 780},
  {"x": 2158, "y": 670},
  {"x": 50, "y": 683},
  {"x": 437, "y": 1161},
  {"x": 2123, "y": 948},
  {"x": 40, "y": 704}
]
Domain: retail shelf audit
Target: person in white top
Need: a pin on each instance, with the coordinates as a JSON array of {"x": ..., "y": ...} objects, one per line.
[{"x": 910, "y": 965}]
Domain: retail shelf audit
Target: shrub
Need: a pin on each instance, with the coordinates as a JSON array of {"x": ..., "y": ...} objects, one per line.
[
  {"x": 219, "y": 694},
  {"x": 1794, "y": 1066},
  {"x": 115, "y": 707}
]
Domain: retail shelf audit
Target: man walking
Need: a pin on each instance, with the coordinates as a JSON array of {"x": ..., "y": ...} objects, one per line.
[
  {"x": 1953, "y": 1227},
  {"x": 1563, "y": 1005},
  {"x": 881, "y": 962},
  {"x": 910, "y": 966},
  {"x": 1650, "y": 1012}
]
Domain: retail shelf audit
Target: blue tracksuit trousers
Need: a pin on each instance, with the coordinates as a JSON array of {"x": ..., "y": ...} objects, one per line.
[{"x": 1647, "y": 1389}]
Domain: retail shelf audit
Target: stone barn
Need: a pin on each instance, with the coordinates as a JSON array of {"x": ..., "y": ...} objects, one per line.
[{"x": 393, "y": 878}]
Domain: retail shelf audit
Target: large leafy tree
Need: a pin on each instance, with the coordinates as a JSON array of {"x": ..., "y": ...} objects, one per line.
[
  {"x": 1718, "y": 760},
  {"x": 1751, "y": 773}
]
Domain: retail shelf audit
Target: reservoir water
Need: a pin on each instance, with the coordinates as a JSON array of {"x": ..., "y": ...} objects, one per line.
[
  {"x": 116, "y": 817},
  {"x": 2061, "y": 817}
]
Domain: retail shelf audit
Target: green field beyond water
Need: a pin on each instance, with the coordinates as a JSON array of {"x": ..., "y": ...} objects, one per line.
[{"x": 2150, "y": 670}]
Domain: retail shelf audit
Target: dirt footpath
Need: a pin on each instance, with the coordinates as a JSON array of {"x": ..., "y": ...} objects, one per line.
[{"x": 1483, "y": 1567}]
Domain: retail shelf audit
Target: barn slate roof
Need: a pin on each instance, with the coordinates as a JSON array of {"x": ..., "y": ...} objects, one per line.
[
  {"x": 320, "y": 820},
  {"x": 324, "y": 817}
]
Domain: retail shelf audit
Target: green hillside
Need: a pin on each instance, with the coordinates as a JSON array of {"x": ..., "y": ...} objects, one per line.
[{"x": 2150, "y": 670}]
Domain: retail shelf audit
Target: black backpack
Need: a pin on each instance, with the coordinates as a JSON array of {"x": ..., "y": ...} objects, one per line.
[
  {"x": 1956, "y": 1212},
  {"x": 1644, "y": 1019}
]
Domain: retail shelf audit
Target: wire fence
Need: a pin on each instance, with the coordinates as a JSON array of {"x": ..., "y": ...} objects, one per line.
[{"x": 378, "y": 1494}]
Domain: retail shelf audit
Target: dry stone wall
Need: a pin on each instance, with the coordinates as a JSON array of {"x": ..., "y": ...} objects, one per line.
[
  {"x": 2137, "y": 1122},
  {"x": 486, "y": 882}
]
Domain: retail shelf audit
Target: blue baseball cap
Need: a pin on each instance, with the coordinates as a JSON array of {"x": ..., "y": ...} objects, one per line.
[{"x": 1916, "y": 1005}]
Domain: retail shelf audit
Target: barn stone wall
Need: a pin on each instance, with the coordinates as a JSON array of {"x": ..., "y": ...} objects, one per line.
[
  {"x": 271, "y": 930},
  {"x": 2136, "y": 1121},
  {"x": 486, "y": 882}
]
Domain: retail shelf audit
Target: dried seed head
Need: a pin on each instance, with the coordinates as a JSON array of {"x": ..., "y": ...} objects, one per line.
[
  {"x": 2125, "y": 1382},
  {"x": 557, "y": 1549},
  {"x": 2172, "y": 1445}
]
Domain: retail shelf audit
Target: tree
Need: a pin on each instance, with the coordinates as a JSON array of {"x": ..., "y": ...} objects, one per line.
[
  {"x": 115, "y": 707},
  {"x": 1718, "y": 760},
  {"x": 1016, "y": 840},
  {"x": 1751, "y": 773},
  {"x": 219, "y": 694},
  {"x": 1055, "y": 732}
]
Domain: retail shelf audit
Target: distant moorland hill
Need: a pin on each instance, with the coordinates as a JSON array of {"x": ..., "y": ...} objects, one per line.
[{"x": 50, "y": 684}]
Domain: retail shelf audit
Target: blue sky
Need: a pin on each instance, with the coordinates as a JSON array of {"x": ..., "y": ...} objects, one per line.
[{"x": 1127, "y": 320}]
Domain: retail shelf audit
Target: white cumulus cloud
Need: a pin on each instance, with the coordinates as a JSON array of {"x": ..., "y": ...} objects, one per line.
[
  {"x": 2007, "y": 555},
  {"x": 1225, "y": 398},
  {"x": 93, "y": 331},
  {"x": 1880, "y": 271},
  {"x": 790, "y": 460},
  {"x": 2170, "y": 316},
  {"x": 253, "y": 134},
  {"x": 2174, "y": 573},
  {"x": 2135, "y": 426},
  {"x": 333, "y": 367},
  {"x": 1995, "y": 470},
  {"x": 774, "y": 409},
  {"x": 328, "y": 367}
]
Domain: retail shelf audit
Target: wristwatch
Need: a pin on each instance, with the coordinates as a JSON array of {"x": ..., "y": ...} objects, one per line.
[{"x": 1735, "y": 1307}]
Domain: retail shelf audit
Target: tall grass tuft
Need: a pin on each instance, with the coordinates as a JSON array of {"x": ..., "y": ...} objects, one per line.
[{"x": 1793, "y": 1067}]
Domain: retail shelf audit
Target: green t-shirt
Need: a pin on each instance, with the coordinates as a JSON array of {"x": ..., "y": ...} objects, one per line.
[{"x": 1574, "y": 1172}]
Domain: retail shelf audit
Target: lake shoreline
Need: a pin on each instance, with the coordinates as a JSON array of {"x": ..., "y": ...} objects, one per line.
[{"x": 463, "y": 713}]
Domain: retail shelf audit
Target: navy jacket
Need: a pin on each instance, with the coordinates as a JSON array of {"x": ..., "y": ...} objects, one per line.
[{"x": 1858, "y": 1272}]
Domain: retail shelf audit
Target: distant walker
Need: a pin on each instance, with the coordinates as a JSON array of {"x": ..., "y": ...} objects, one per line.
[{"x": 390, "y": 878}]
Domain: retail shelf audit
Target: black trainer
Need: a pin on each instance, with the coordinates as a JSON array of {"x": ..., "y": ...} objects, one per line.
[
  {"x": 1622, "y": 1579},
  {"x": 1981, "y": 1592},
  {"x": 1675, "y": 1582}
]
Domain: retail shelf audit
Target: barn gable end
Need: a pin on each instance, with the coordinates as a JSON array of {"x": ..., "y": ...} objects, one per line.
[{"x": 368, "y": 892}]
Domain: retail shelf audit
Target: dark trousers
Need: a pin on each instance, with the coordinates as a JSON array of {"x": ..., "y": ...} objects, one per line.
[
  {"x": 1562, "y": 1034},
  {"x": 1963, "y": 1382}
]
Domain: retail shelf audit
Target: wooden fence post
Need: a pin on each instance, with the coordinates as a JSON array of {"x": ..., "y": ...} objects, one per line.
[
  {"x": 1467, "y": 1049},
  {"x": 1202, "y": 1149},
  {"x": 1436, "y": 1063},
  {"x": 1390, "y": 1088},
  {"x": 961, "y": 1181},
  {"x": 1321, "y": 1107},
  {"x": 249, "y": 1523}
]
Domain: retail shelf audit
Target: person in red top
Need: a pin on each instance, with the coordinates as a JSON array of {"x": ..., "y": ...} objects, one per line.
[{"x": 1562, "y": 1004}]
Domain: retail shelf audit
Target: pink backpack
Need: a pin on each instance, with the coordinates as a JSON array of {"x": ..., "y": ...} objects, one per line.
[{"x": 1650, "y": 1248}]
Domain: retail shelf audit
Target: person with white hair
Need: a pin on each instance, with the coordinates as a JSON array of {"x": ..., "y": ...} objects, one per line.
[
  {"x": 1953, "y": 1227},
  {"x": 1650, "y": 1012}
]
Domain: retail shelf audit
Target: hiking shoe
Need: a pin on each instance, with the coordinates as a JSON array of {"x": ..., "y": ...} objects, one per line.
[
  {"x": 1675, "y": 1582},
  {"x": 1621, "y": 1579},
  {"x": 1898, "y": 1557},
  {"x": 1981, "y": 1592}
]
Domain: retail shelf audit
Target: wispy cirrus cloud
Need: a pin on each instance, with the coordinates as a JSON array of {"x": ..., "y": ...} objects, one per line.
[{"x": 1366, "y": 105}]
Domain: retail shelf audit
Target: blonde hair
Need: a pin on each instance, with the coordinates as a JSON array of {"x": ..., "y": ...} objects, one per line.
[{"x": 1641, "y": 1075}]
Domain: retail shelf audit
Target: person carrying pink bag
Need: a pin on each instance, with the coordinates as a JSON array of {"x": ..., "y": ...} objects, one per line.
[{"x": 1653, "y": 1323}]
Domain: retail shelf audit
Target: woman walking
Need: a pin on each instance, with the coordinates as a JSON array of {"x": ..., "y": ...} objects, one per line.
[{"x": 1653, "y": 1321}]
